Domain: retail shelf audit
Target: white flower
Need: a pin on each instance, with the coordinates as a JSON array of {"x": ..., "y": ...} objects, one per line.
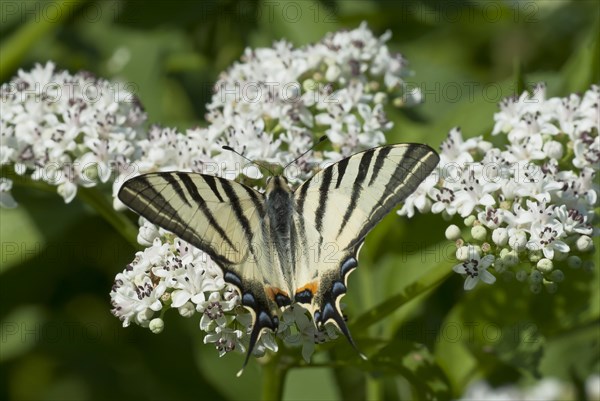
[
  {"x": 472, "y": 191},
  {"x": 475, "y": 268},
  {"x": 491, "y": 218},
  {"x": 535, "y": 212},
  {"x": 225, "y": 340},
  {"x": 444, "y": 200},
  {"x": 213, "y": 312},
  {"x": 572, "y": 220},
  {"x": 547, "y": 238},
  {"x": 456, "y": 150}
]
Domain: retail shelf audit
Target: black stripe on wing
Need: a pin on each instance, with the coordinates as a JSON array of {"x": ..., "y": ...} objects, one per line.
[
  {"x": 415, "y": 166},
  {"x": 201, "y": 203},
  {"x": 239, "y": 213},
  {"x": 357, "y": 187},
  {"x": 145, "y": 199}
]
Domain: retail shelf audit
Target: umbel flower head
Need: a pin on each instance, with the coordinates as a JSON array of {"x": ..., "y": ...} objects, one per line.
[
  {"x": 66, "y": 130},
  {"x": 527, "y": 205}
]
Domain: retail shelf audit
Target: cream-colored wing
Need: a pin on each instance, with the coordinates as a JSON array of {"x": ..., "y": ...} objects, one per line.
[{"x": 338, "y": 207}]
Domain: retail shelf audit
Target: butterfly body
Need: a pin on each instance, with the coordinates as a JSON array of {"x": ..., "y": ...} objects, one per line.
[{"x": 284, "y": 247}]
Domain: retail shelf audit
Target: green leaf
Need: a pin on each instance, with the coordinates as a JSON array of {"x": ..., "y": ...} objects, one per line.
[
  {"x": 43, "y": 23},
  {"x": 583, "y": 67}
]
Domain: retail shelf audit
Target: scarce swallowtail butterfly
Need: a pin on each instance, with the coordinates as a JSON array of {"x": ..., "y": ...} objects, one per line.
[{"x": 276, "y": 247}]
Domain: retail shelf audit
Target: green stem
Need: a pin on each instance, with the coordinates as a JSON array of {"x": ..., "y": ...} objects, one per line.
[
  {"x": 430, "y": 280},
  {"x": 273, "y": 379},
  {"x": 98, "y": 200},
  {"x": 374, "y": 388},
  {"x": 94, "y": 197}
]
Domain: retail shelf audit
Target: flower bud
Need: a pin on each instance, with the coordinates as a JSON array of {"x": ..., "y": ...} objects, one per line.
[
  {"x": 333, "y": 72},
  {"x": 574, "y": 262},
  {"x": 469, "y": 220},
  {"x": 309, "y": 85},
  {"x": 187, "y": 309},
  {"x": 584, "y": 244},
  {"x": 521, "y": 275},
  {"x": 452, "y": 232},
  {"x": 518, "y": 240},
  {"x": 553, "y": 149},
  {"x": 557, "y": 276},
  {"x": 536, "y": 288},
  {"x": 478, "y": 232},
  {"x": 511, "y": 258},
  {"x": 545, "y": 265},
  {"x": 463, "y": 253},
  {"x": 156, "y": 325},
  {"x": 380, "y": 98},
  {"x": 535, "y": 255},
  {"x": 588, "y": 266},
  {"x": 535, "y": 277},
  {"x": 500, "y": 236}
]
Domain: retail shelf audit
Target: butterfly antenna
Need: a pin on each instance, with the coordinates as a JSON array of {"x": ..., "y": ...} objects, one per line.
[
  {"x": 229, "y": 148},
  {"x": 321, "y": 139}
]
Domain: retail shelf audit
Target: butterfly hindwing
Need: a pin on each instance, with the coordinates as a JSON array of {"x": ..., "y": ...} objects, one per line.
[{"x": 339, "y": 205}]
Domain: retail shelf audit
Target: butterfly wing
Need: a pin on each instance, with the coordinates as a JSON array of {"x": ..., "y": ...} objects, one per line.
[
  {"x": 223, "y": 218},
  {"x": 336, "y": 209}
]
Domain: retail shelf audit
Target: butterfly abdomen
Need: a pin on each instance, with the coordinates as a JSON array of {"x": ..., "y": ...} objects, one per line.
[{"x": 279, "y": 206}]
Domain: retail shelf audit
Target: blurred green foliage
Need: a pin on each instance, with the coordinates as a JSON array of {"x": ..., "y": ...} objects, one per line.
[{"x": 59, "y": 340}]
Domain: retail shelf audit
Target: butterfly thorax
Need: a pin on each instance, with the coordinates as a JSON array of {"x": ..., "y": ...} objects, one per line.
[{"x": 279, "y": 210}]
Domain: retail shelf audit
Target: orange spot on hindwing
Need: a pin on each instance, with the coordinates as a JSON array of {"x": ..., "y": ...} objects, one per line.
[
  {"x": 305, "y": 294},
  {"x": 277, "y": 295}
]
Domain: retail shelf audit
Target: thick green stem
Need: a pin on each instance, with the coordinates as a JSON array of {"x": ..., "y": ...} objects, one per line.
[
  {"x": 94, "y": 197},
  {"x": 100, "y": 203},
  {"x": 430, "y": 280},
  {"x": 273, "y": 379}
]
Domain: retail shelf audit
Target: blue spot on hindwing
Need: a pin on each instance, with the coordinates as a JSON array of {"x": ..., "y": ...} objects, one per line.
[
  {"x": 348, "y": 266},
  {"x": 249, "y": 300},
  {"x": 338, "y": 289}
]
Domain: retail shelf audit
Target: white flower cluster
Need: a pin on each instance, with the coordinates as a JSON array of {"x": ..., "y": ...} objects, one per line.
[
  {"x": 66, "y": 130},
  {"x": 548, "y": 389},
  {"x": 529, "y": 203},
  {"x": 270, "y": 108},
  {"x": 283, "y": 97}
]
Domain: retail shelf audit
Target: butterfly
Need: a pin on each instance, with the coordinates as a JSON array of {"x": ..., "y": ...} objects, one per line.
[{"x": 285, "y": 246}]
